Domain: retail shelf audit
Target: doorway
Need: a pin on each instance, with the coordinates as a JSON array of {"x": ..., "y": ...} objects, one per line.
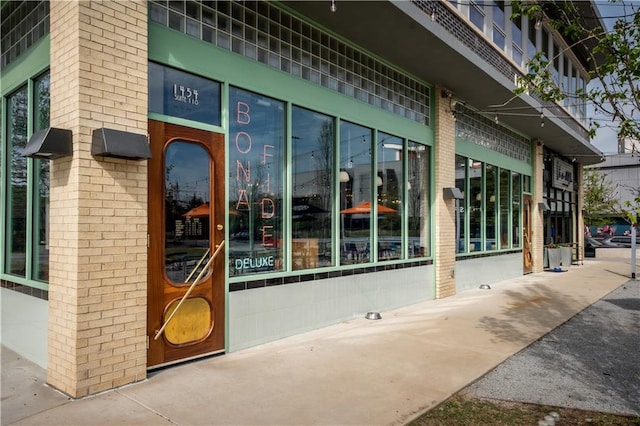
[{"x": 186, "y": 274}]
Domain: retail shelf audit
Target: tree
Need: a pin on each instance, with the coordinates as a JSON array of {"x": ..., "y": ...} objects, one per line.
[
  {"x": 613, "y": 54},
  {"x": 599, "y": 201}
]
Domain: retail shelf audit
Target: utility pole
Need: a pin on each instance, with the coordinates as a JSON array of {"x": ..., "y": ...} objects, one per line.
[{"x": 634, "y": 232}]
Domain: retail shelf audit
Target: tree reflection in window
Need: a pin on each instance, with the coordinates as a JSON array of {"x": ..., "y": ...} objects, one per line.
[{"x": 312, "y": 159}]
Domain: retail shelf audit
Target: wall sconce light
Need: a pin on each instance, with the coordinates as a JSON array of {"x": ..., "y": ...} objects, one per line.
[
  {"x": 379, "y": 181},
  {"x": 119, "y": 144},
  {"x": 49, "y": 144},
  {"x": 448, "y": 94},
  {"x": 543, "y": 207},
  {"x": 452, "y": 193},
  {"x": 333, "y": 6},
  {"x": 344, "y": 176}
]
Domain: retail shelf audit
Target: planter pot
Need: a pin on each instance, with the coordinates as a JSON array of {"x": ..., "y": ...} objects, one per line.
[
  {"x": 555, "y": 257},
  {"x": 566, "y": 255}
]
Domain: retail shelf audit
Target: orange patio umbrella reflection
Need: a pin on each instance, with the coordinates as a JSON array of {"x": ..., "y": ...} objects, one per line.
[{"x": 365, "y": 207}]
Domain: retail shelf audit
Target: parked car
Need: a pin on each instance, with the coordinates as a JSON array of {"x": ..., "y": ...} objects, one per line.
[
  {"x": 620, "y": 241},
  {"x": 592, "y": 242}
]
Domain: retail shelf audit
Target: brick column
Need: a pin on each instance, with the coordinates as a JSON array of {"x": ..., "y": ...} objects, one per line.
[
  {"x": 444, "y": 164},
  {"x": 537, "y": 216},
  {"x": 98, "y": 221}
]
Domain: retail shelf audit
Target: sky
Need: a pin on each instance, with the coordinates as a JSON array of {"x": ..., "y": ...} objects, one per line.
[{"x": 606, "y": 137}]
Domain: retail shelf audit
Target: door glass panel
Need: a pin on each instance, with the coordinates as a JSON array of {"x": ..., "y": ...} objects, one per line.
[{"x": 187, "y": 196}]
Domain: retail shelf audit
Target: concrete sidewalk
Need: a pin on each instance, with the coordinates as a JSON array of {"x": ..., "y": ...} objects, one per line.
[{"x": 358, "y": 372}]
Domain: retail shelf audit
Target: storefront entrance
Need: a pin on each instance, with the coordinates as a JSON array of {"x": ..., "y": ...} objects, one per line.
[{"x": 186, "y": 274}]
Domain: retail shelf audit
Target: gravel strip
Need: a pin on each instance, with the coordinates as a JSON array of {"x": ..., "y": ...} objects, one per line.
[{"x": 592, "y": 362}]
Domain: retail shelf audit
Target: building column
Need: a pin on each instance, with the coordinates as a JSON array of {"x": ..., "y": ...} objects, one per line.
[
  {"x": 98, "y": 221},
  {"x": 445, "y": 177},
  {"x": 580, "y": 211},
  {"x": 537, "y": 215}
]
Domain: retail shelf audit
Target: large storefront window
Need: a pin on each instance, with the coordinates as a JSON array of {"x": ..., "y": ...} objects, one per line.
[
  {"x": 256, "y": 182},
  {"x": 505, "y": 200},
  {"x": 516, "y": 208},
  {"x": 560, "y": 221},
  {"x": 25, "y": 190},
  {"x": 16, "y": 196},
  {"x": 475, "y": 205},
  {"x": 490, "y": 208},
  {"x": 491, "y": 201},
  {"x": 356, "y": 193},
  {"x": 41, "y": 201},
  {"x": 390, "y": 191},
  {"x": 461, "y": 209},
  {"x": 312, "y": 154},
  {"x": 418, "y": 187}
]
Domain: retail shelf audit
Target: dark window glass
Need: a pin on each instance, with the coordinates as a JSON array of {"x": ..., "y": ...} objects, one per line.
[
  {"x": 505, "y": 206},
  {"x": 179, "y": 94},
  {"x": 41, "y": 179},
  {"x": 476, "y": 14},
  {"x": 312, "y": 153},
  {"x": 491, "y": 198},
  {"x": 16, "y": 196},
  {"x": 516, "y": 194},
  {"x": 256, "y": 182},
  {"x": 475, "y": 205},
  {"x": 461, "y": 210}
]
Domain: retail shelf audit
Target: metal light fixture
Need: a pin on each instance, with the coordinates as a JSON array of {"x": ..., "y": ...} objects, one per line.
[
  {"x": 485, "y": 287},
  {"x": 452, "y": 193},
  {"x": 544, "y": 207},
  {"x": 373, "y": 316},
  {"x": 120, "y": 144},
  {"x": 49, "y": 144},
  {"x": 333, "y": 7}
]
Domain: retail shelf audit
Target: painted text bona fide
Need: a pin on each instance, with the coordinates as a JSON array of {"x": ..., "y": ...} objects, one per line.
[{"x": 245, "y": 147}]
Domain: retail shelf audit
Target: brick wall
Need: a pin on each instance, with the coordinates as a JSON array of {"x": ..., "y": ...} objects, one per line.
[
  {"x": 444, "y": 161},
  {"x": 98, "y": 220}
]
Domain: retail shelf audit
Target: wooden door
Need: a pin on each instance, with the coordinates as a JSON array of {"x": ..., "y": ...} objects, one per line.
[
  {"x": 527, "y": 258},
  {"x": 186, "y": 218}
]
